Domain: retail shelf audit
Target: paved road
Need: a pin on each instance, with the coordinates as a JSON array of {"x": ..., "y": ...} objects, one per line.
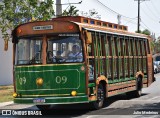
[{"x": 148, "y": 105}]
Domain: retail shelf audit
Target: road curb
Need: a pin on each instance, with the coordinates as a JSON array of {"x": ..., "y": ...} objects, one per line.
[{"x": 5, "y": 103}]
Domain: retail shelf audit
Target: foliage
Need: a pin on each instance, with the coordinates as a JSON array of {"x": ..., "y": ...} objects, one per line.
[
  {"x": 92, "y": 13},
  {"x": 157, "y": 46},
  {"x": 146, "y": 32},
  {"x": 139, "y": 31},
  {"x": 72, "y": 11},
  {"x": 15, "y": 12},
  {"x": 153, "y": 45}
]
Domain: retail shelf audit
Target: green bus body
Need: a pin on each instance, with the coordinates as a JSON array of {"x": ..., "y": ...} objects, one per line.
[{"x": 55, "y": 88}]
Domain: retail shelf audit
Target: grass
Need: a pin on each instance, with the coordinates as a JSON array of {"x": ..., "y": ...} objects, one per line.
[{"x": 6, "y": 93}]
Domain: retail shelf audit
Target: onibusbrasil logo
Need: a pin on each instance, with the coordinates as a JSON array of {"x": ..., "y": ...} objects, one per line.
[{"x": 20, "y": 113}]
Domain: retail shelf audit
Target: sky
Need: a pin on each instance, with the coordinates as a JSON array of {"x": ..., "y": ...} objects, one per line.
[{"x": 128, "y": 9}]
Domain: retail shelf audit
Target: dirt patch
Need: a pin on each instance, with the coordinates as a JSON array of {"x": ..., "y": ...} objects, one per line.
[{"x": 6, "y": 93}]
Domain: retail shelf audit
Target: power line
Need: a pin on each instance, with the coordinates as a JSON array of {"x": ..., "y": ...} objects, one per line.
[
  {"x": 148, "y": 15},
  {"x": 125, "y": 17},
  {"x": 71, "y": 3},
  {"x": 113, "y": 10},
  {"x": 152, "y": 11},
  {"x": 146, "y": 26},
  {"x": 155, "y": 7},
  {"x": 128, "y": 19},
  {"x": 138, "y": 22},
  {"x": 131, "y": 21}
]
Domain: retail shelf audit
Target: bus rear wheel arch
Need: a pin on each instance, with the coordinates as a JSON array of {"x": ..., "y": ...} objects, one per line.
[
  {"x": 138, "y": 91},
  {"x": 139, "y": 86}
]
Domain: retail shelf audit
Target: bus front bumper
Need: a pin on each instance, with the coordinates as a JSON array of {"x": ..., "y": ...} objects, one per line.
[{"x": 52, "y": 100}]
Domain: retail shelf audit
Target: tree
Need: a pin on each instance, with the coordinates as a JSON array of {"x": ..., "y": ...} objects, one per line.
[
  {"x": 153, "y": 45},
  {"x": 146, "y": 32},
  {"x": 72, "y": 11},
  {"x": 15, "y": 12},
  {"x": 92, "y": 12}
]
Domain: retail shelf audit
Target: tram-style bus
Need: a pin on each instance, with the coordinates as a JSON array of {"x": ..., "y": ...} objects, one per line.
[{"x": 72, "y": 60}]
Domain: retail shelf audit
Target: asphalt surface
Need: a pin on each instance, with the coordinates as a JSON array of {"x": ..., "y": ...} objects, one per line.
[{"x": 148, "y": 105}]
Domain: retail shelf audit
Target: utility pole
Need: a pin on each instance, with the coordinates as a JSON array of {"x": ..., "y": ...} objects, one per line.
[
  {"x": 138, "y": 23},
  {"x": 58, "y": 8},
  {"x": 119, "y": 19}
]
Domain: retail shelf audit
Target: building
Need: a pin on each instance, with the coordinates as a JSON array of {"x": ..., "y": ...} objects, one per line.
[{"x": 5, "y": 63}]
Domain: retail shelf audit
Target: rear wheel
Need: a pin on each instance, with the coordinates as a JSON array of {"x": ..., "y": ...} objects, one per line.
[
  {"x": 138, "y": 91},
  {"x": 100, "y": 98},
  {"x": 156, "y": 71}
]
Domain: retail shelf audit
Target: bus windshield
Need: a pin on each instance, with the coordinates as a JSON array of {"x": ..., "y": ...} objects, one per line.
[
  {"x": 29, "y": 51},
  {"x": 64, "y": 49},
  {"x": 60, "y": 49}
]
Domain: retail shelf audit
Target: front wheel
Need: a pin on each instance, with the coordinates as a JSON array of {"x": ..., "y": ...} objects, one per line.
[{"x": 100, "y": 98}]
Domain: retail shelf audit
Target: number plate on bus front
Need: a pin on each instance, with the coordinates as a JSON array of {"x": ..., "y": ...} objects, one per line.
[{"x": 39, "y": 100}]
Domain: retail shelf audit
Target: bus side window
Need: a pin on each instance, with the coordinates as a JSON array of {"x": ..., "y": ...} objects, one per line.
[
  {"x": 89, "y": 50},
  {"x": 147, "y": 46},
  {"x": 91, "y": 70},
  {"x": 90, "y": 55}
]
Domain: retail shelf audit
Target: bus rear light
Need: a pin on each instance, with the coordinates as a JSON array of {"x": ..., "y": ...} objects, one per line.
[
  {"x": 15, "y": 95},
  {"x": 39, "y": 81},
  {"x": 70, "y": 27},
  {"x": 73, "y": 93}
]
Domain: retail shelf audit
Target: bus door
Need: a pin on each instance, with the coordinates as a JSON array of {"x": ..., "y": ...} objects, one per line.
[
  {"x": 95, "y": 58},
  {"x": 90, "y": 66},
  {"x": 150, "y": 74}
]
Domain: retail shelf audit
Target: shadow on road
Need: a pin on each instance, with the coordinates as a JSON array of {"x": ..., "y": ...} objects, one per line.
[
  {"x": 113, "y": 99},
  {"x": 81, "y": 109}
]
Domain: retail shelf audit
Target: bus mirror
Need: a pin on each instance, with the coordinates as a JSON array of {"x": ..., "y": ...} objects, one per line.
[
  {"x": 5, "y": 44},
  {"x": 88, "y": 38}
]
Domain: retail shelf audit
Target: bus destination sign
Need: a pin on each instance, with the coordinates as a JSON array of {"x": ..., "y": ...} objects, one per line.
[{"x": 45, "y": 27}]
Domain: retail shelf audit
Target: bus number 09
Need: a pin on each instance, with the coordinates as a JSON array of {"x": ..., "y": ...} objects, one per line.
[{"x": 61, "y": 80}]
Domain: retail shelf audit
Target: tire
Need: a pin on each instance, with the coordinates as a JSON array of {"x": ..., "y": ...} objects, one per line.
[
  {"x": 155, "y": 72},
  {"x": 100, "y": 98},
  {"x": 138, "y": 91},
  {"x": 44, "y": 107}
]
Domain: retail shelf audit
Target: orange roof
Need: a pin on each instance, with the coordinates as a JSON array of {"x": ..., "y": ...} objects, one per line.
[{"x": 91, "y": 21}]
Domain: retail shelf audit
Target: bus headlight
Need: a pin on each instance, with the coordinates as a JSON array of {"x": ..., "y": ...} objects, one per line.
[
  {"x": 15, "y": 95},
  {"x": 73, "y": 93},
  {"x": 39, "y": 81},
  {"x": 19, "y": 31}
]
